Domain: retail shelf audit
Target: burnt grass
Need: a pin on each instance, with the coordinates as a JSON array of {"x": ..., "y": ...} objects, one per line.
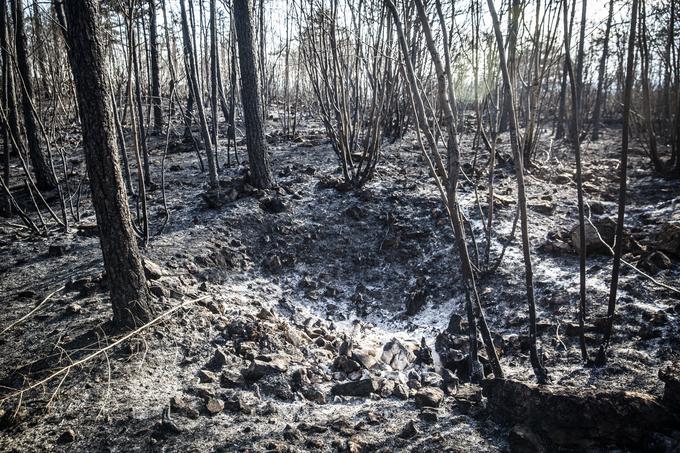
[{"x": 289, "y": 280}]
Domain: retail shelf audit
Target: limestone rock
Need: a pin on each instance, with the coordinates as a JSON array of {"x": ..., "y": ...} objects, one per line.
[
  {"x": 366, "y": 357},
  {"x": 273, "y": 205},
  {"x": 396, "y": 355},
  {"x": 523, "y": 440},
  {"x": 429, "y": 414},
  {"x": 214, "y": 406},
  {"x": 429, "y": 397},
  {"x": 266, "y": 365},
  {"x": 152, "y": 270},
  {"x": 542, "y": 207},
  {"x": 606, "y": 228}
]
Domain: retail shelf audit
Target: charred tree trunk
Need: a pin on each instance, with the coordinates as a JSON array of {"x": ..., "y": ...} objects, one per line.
[
  {"x": 448, "y": 194},
  {"x": 647, "y": 90},
  {"x": 196, "y": 92},
  {"x": 559, "y": 130},
  {"x": 513, "y": 28},
  {"x": 7, "y": 93},
  {"x": 233, "y": 86},
  {"x": 122, "y": 259},
  {"x": 260, "y": 167},
  {"x": 581, "y": 56},
  {"x": 618, "y": 246},
  {"x": 262, "y": 59},
  {"x": 214, "y": 68},
  {"x": 134, "y": 43},
  {"x": 576, "y": 143},
  {"x": 45, "y": 179},
  {"x": 536, "y": 362},
  {"x": 602, "y": 74},
  {"x": 155, "y": 70},
  {"x": 171, "y": 62}
]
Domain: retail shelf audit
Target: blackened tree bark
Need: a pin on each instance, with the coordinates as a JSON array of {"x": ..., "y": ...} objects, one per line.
[
  {"x": 536, "y": 361},
  {"x": 559, "y": 130},
  {"x": 7, "y": 104},
  {"x": 262, "y": 41},
  {"x": 601, "y": 75},
  {"x": 581, "y": 54},
  {"x": 448, "y": 177},
  {"x": 43, "y": 174},
  {"x": 515, "y": 8},
  {"x": 132, "y": 38},
  {"x": 260, "y": 167},
  {"x": 623, "y": 168},
  {"x": 196, "y": 91},
  {"x": 189, "y": 110},
  {"x": 576, "y": 142},
  {"x": 213, "y": 76},
  {"x": 40, "y": 53},
  {"x": 155, "y": 71},
  {"x": 561, "y": 110},
  {"x": 122, "y": 259},
  {"x": 647, "y": 90},
  {"x": 171, "y": 59}
]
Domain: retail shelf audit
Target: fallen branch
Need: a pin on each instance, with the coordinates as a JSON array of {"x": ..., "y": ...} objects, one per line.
[
  {"x": 37, "y": 307},
  {"x": 632, "y": 266},
  {"x": 99, "y": 352}
]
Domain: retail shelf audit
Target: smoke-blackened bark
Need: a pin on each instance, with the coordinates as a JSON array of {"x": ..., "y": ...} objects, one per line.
[
  {"x": 43, "y": 174},
  {"x": 623, "y": 180},
  {"x": 536, "y": 362},
  {"x": 260, "y": 167},
  {"x": 155, "y": 71},
  {"x": 196, "y": 96},
  {"x": 5, "y": 204},
  {"x": 122, "y": 258},
  {"x": 601, "y": 74}
]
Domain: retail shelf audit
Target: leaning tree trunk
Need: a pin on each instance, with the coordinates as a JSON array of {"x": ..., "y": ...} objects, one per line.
[
  {"x": 196, "y": 96},
  {"x": 43, "y": 174},
  {"x": 122, "y": 259},
  {"x": 260, "y": 167},
  {"x": 536, "y": 362},
  {"x": 440, "y": 173},
  {"x": 618, "y": 245}
]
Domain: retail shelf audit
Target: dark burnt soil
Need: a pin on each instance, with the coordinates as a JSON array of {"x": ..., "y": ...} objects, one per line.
[{"x": 311, "y": 286}]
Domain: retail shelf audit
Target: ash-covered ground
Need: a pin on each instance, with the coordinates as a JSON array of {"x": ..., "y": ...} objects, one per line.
[{"x": 320, "y": 308}]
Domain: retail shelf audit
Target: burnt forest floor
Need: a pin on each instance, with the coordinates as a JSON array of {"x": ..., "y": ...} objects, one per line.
[{"x": 293, "y": 277}]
